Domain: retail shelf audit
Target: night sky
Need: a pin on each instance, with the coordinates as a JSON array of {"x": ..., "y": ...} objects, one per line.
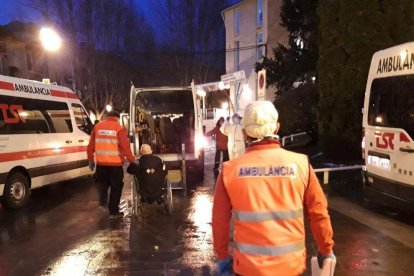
[{"x": 16, "y": 10}]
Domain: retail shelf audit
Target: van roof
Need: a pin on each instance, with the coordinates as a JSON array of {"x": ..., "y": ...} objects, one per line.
[
  {"x": 32, "y": 87},
  {"x": 396, "y": 60}
]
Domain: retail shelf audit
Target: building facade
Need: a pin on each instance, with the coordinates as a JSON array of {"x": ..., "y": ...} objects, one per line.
[
  {"x": 22, "y": 56},
  {"x": 252, "y": 30}
]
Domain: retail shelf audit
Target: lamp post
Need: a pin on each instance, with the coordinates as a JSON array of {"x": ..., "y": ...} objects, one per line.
[{"x": 51, "y": 42}]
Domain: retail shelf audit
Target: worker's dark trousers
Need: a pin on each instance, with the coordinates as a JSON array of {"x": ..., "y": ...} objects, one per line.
[
  {"x": 108, "y": 176},
  {"x": 217, "y": 158}
]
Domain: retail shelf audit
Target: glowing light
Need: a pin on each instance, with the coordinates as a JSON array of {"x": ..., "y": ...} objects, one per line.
[
  {"x": 108, "y": 108},
  {"x": 225, "y": 105},
  {"x": 221, "y": 85},
  {"x": 379, "y": 120},
  {"x": 403, "y": 54},
  {"x": 201, "y": 92},
  {"x": 55, "y": 146},
  {"x": 23, "y": 114},
  {"x": 92, "y": 116},
  {"x": 51, "y": 41},
  {"x": 247, "y": 92}
]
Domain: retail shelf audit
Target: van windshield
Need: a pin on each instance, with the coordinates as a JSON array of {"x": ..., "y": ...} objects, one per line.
[{"x": 391, "y": 103}]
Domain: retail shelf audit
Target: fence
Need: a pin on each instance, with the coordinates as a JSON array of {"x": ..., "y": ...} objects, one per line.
[{"x": 326, "y": 171}]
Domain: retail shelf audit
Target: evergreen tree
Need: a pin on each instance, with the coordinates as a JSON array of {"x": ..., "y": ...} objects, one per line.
[
  {"x": 297, "y": 61},
  {"x": 350, "y": 32}
]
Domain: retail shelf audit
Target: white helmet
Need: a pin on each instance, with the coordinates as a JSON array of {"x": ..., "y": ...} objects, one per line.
[{"x": 260, "y": 119}]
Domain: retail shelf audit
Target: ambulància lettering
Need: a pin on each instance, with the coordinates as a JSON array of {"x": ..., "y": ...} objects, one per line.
[
  {"x": 269, "y": 170},
  {"x": 403, "y": 61},
  {"x": 31, "y": 89}
]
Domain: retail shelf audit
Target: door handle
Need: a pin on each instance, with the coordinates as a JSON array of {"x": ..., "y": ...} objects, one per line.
[
  {"x": 407, "y": 150},
  {"x": 68, "y": 141}
]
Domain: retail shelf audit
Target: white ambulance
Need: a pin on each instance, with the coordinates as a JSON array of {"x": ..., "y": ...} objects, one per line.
[
  {"x": 44, "y": 132},
  {"x": 168, "y": 118},
  {"x": 388, "y": 127}
]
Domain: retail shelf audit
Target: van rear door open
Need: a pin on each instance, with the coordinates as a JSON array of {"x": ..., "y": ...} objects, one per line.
[{"x": 167, "y": 118}]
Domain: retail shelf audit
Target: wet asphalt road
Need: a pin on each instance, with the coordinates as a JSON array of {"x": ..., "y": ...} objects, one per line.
[{"x": 62, "y": 232}]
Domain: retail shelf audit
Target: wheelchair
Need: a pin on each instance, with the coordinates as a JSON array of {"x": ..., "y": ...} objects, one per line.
[{"x": 149, "y": 187}]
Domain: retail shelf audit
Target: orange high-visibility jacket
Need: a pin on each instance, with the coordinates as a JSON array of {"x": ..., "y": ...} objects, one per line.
[
  {"x": 267, "y": 189},
  {"x": 109, "y": 143}
]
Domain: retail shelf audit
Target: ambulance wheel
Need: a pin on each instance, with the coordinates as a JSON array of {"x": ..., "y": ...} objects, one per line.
[{"x": 16, "y": 191}]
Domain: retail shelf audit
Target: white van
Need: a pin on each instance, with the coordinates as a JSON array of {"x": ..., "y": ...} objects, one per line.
[
  {"x": 44, "y": 133},
  {"x": 166, "y": 118},
  {"x": 388, "y": 127}
]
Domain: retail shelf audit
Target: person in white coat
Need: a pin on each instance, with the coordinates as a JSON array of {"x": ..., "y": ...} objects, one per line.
[{"x": 233, "y": 131}]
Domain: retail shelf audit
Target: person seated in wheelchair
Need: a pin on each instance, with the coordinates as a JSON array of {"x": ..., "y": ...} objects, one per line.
[{"x": 151, "y": 175}]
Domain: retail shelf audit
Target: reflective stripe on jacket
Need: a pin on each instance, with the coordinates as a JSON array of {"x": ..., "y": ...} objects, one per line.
[
  {"x": 109, "y": 143},
  {"x": 266, "y": 190}
]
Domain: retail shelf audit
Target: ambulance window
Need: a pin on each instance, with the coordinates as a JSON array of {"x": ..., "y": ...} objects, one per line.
[
  {"x": 81, "y": 118},
  {"x": 24, "y": 116},
  {"x": 392, "y": 103}
]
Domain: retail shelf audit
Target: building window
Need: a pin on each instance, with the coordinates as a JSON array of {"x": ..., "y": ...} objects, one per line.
[
  {"x": 237, "y": 21},
  {"x": 236, "y": 56},
  {"x": 260, "y": 47},
  {"x": 259, "y": 12}
]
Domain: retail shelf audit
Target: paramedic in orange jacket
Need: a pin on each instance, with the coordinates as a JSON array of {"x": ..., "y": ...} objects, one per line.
[
  {"x": 268, "y": 189},
  {"x": 110, "y": 145}
]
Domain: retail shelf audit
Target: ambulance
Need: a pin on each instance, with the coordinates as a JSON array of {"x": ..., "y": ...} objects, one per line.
[
  {"x": 388, "y": 127},
  {"x": 169, "y": 119},
  {"x": 44, "y": 133}
]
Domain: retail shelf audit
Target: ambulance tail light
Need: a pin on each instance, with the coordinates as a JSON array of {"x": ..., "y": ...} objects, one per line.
[{"x": 363, "y": 143}]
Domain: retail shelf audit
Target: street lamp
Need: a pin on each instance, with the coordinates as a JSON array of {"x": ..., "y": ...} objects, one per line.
[
  {"x": 108, "y": 108},
  {"x": 51, "y": 42}
]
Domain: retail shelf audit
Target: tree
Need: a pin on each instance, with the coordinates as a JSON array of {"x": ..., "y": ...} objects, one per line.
[
  {"x": 193, "y": 38},
  {"x": 295, "y": 63},
  {"x": 112, "y": 33},
  {"x": 350, "y": 32}
]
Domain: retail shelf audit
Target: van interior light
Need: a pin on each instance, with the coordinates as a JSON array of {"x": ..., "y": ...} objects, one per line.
[{"x": 379, "y": 120}]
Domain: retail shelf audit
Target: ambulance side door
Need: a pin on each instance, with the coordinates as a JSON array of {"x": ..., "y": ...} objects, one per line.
[{"x": 83, "y": 129}]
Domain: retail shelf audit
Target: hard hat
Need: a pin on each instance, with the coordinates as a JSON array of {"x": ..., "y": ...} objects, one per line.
[
  {"x": 260, "y": 119},
  {"x": 145, "y": 149}
]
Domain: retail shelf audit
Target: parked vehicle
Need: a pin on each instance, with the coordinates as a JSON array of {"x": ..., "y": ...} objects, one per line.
[
  {"x": 388, "y": 127},
  {"x": 168, "y": 118},
  {"x": 44, "y": 132}
]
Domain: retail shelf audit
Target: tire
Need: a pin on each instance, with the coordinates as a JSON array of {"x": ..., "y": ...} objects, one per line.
[{"x": 16, "y": 191}]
